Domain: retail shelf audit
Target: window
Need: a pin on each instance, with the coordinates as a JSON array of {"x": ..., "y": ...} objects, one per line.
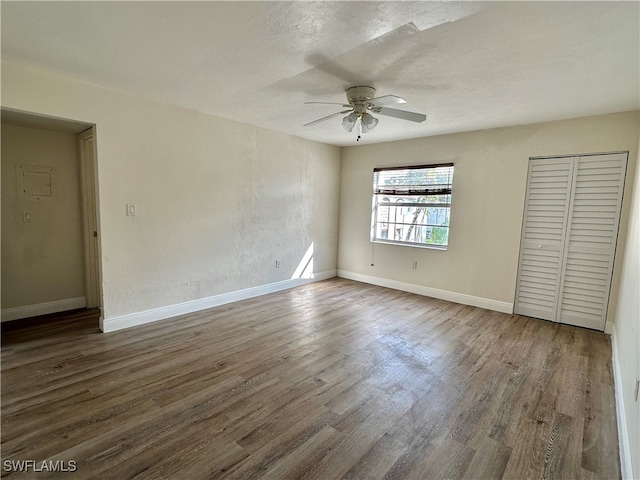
[{"x": 411, "y": 205}]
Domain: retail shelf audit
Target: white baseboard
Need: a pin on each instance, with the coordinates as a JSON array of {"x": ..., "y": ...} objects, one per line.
[
  {"x": 487, "y": 303},
  {"x": 28, "y": 311},
  {"x": 626, "y": 467},
  {"x": 155, "y": 314}
]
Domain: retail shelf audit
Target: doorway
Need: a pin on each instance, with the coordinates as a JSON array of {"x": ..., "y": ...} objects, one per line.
[{"x": 50, "y": 248}]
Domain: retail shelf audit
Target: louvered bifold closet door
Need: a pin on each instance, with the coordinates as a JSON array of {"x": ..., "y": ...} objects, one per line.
[
  {"x": 592, "y": 231},
  {"x": 543, "y": 237}
]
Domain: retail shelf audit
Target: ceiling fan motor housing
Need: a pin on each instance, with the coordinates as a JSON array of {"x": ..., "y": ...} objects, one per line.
[{"x": 360, "y": 95}]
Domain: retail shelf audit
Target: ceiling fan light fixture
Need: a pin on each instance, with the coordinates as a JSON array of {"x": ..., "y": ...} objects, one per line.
[
  {"x": 349, "y": 121},
  {"x": 369, "y": 122}
]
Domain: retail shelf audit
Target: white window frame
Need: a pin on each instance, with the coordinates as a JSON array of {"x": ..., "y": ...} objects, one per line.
[{"x": 410, "y": 189}]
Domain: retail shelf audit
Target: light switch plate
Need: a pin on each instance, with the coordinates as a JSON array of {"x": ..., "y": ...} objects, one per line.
[{"x": 132, "y": 210}]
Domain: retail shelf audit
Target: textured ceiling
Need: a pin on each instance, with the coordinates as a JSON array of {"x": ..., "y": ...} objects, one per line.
[{"x": 467, "y": 65}]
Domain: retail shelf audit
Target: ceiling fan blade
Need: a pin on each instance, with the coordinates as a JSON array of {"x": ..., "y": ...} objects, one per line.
[
  {"x": 327, "y": 103},
  {"x": 326, "y": 118},
  {"x": 387, "y": 100},
  {"x": 393, "y": 112}
]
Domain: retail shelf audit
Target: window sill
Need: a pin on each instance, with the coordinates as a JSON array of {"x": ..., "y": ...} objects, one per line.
[{"x": 415, "y": 245}]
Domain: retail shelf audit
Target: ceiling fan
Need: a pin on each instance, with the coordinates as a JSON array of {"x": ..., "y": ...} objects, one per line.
[{"x": 362, "y": 101}]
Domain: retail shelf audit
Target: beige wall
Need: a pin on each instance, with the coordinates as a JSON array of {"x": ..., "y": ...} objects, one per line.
[
  {"x": 627, "y": 334},
  {"x": 487, "y": 204},
  {"x": 42, "y": 259},
  {"x": 218, "y": 201}
]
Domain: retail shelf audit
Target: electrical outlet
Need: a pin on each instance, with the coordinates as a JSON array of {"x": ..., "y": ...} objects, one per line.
[
  {"x": 277, "y": 263},
  {"x": 635, "y": 393},
  {"x": 414, "y": 264},
  {"x": 132, "y": 210}
]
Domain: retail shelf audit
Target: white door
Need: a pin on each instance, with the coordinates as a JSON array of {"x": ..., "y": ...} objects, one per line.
[
  {"x": 543, "y": 237},
  {"x": 89, "y": 217},
  {"x": 569, "y": 235},
  {"x": 592, "y": 233}
]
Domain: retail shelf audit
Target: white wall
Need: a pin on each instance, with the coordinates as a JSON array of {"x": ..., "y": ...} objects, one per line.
[
  {"x": 627, "y": 332},
  {"x": 218, "y": 201},
  {"x": 489, "y": 185},
  {"x": 42, "y": 259}
]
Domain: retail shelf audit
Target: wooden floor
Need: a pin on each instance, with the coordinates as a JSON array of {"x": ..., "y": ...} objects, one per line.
[{"x": 332, "y": 380}]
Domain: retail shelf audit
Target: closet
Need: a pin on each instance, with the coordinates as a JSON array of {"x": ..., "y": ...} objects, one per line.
[{"x": 569, "y": 234}]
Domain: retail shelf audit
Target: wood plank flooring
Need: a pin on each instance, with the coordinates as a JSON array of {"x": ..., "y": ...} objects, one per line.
[{"x": 333, "y": 380}]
